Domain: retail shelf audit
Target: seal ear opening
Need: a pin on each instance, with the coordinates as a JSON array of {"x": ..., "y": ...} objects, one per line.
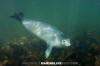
[{"x": 18, "y": 16}]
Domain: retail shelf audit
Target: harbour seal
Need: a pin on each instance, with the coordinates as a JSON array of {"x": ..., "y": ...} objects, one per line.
[{"x": 48, "y": 33}]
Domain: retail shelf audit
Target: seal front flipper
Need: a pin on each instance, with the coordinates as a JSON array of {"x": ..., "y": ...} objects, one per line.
[
  {"x": 48, "y": 51},
  {"x": 18, "y": 16}
]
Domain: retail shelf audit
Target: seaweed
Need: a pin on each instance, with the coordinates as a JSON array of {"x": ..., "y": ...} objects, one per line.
[{"x": 85, "y": 50}]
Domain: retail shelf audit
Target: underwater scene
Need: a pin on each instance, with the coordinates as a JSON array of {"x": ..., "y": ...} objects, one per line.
[{"x": 49, "y": 32}]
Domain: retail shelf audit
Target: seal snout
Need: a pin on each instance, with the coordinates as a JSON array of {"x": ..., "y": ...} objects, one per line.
[{"x": 66, "y": 42}]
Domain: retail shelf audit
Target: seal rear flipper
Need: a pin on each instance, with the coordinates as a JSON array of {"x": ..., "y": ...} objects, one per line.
[
  {"x": 18, "y": 16},
  {"x": 21, "y": 14}
]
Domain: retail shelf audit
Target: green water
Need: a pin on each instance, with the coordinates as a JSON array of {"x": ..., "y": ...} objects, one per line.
[
  {"x": 70, "y": 16},
  {"x": 77, "y": 19}
]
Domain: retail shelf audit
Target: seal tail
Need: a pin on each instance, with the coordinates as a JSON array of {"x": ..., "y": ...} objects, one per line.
[{"x": 18, "y": 16}]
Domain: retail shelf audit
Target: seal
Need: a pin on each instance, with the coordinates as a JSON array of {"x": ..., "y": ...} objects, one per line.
[{"x": 48, "y": 33}]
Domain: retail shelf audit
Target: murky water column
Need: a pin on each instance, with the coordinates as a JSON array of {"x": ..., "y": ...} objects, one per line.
[{"x": 73, "y": 16}]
